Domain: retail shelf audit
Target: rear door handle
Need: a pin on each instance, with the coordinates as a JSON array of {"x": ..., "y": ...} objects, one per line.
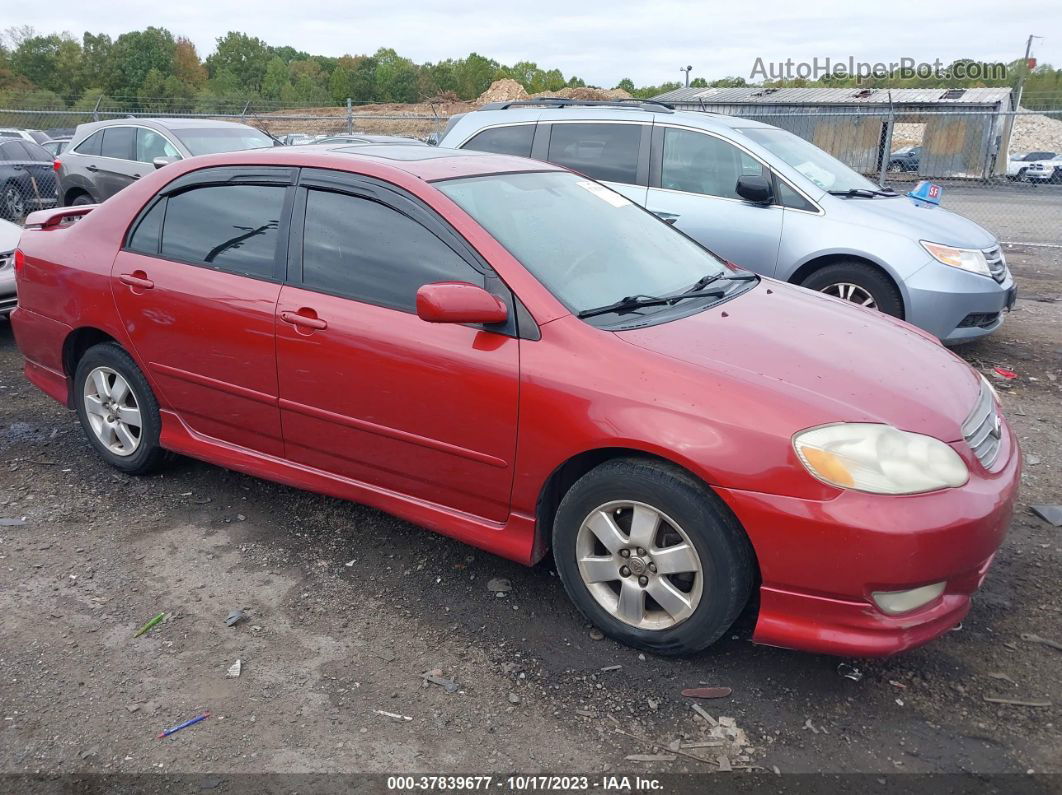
[
  {"x": 304, "y": 319},
  {"x": 91, "y": 168},
  {"x": 138, "y": 279},
  {"x": 667, "y": 218}
]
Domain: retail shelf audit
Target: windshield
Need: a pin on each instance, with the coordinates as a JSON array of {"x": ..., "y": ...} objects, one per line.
[
  {"x": 824, "y": 170},
  {"x": 587, "y": 244},
  {"x": 211, "y": 140}
]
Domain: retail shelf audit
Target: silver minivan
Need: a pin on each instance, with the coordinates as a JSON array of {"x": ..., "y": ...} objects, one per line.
[{"x": 769, "y": 201}]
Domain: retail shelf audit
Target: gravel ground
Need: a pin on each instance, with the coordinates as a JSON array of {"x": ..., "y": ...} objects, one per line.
[{"x": 347, "y": 608}]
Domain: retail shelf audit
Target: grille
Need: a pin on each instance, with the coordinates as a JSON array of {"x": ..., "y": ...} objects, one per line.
[
  {"x": 996, "y": 264},
  {"x": 982, "y": 428}
]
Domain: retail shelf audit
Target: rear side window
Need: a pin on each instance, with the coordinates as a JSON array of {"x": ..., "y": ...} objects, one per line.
[
  {"x": 148, "y": 232},
  {"x": 11, "y": 151},
  {"x": 118, "y": 142},
  {"x": 698, "y": 163},
  {"x": 512, "y": 140},
  {"x": 607, "y": 152},
  {"x": 367, "y": 251},
  {"x": 91, "y": 145},
  {"x": 36, "y": 152},
  {"x": 229, "y": 227}
]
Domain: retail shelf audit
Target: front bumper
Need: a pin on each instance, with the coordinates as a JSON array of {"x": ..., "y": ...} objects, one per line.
[
  {"x": 820, "y": 561},
  {"x": 956, "y": 305}
]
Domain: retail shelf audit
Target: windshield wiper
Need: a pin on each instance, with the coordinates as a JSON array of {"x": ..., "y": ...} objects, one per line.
[
  {"x": 711, "y": 278},
  {"x": 864, "y": 192},
  {"x": 632, "y": 302}
]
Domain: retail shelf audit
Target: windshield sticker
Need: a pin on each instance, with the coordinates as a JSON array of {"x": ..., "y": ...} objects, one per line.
[
  {"x": 820, "y": 176},
  {"x": 603, "y": 193}
]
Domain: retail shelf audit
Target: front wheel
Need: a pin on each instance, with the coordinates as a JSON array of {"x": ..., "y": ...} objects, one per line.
[
  {"x": 117, "y": 410},
  {"x": 650, "y": 556},
  {"x": 13, "y": 203},
  {"x": 859, "y": 284}
]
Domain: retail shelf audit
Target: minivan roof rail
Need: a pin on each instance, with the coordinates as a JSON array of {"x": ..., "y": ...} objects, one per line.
[{"x": 650, "y": 105}]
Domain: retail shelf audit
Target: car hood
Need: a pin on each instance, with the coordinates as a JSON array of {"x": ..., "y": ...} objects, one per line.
[
  {"x": 9, "y": 235},
  {"x": 833, "y": 361},
  {"x": 920, "y": 219}
]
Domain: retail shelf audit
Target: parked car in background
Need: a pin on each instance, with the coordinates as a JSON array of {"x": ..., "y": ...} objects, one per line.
[
  {"x": 1019, "y": 164},
  {"x": 1045, "y": 170},
  {"x": 104, "y": 157},
  {"x": 297, "y": 139},
  {"x": 905, "y": 159},
  {"x": 358, "y": 138},
  {"x": 691, "y": 436},
  {"x": 33, "y": 136},
  {"x": 27, "y": 179},
  {"x": 55, "y": 146},
  {"x": 769, "y": 201},
  {"x": 9, "y": 235}
]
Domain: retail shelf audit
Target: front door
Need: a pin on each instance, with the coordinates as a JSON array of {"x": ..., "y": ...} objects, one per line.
[
  {"x": 368, "y": 390},
  {"x": 692, "y": 180},
  {"x": 197, "y": 286}
]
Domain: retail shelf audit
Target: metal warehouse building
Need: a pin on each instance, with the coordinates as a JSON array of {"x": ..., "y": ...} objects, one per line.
[{"x": 963, "y": 132}]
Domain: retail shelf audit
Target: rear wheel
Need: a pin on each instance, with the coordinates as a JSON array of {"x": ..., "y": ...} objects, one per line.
[
  {"x": 117, "y": 409},
  {"x": 858, "y": 283},
  {"x": 651, "y": 557},
  {"x": 12, "y": 202},
  {"x": 81, "y": 199}
]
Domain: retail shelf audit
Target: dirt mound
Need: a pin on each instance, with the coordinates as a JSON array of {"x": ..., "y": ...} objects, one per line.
[
  {"x": 506, "y": 90},
  {"x": 1035, "y": 132},
  {"x": 584, "y": 93}
]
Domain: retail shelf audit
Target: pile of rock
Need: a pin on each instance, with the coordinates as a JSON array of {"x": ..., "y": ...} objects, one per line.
[
  {"x": 509, "y": 90},
  {"x": 1035, "y": 132}
]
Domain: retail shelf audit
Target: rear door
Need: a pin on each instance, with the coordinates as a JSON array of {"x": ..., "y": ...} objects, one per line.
[
  {"x": 368, "y": 390},
  {"x": 613, "y": 152},
  {"x": 38, "y": 166},
  {"x": 197, "y": 285},
  {"x": 692, "y": 181},
  {"x": 116, "y": 167}
]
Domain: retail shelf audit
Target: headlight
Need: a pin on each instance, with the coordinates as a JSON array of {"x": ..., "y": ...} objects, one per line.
[
  {"x": 879, "y": 459},
  {"x": 969, "y": 259}
]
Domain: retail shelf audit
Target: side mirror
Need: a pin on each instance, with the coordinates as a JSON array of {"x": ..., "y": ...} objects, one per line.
[
  {"x": 459, "y": 302},
  {"x": 159, "y": 162},
  {"x": 754, "y": 188}
]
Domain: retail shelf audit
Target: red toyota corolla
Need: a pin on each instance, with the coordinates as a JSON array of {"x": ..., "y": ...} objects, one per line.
[{"x": 520, "y": 358}]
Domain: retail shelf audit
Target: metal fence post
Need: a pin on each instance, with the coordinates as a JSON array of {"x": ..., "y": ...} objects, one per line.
[
  {"x": 243, "y": 116},
  {"x": 96, "y": 110},
  {"x": 350, "y": 117},
  {"x": 886, "y": 149}
]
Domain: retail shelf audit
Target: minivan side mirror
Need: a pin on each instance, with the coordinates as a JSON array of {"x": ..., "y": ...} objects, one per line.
[
  {"x": 459, "y": 302},
  {"x": 754, "y": 188},
  {"x": 159, "y": 162}
]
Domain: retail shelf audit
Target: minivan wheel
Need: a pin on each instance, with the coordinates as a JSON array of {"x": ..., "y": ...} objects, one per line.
[
  {"x": 651, "y": 557},
  {"x": 858, "y": 283},
  {"x": 117, "y": 409}
]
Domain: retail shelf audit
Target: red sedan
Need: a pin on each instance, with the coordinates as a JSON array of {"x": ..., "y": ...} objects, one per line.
[{"x": 518, "y": 357}]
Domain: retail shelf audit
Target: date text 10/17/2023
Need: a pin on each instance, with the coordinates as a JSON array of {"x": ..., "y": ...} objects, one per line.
[{"x": 524, "y": 783}]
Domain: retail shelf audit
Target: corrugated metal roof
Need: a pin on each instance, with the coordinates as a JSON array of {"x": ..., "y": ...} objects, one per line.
[{"x": 832, "y": 96}]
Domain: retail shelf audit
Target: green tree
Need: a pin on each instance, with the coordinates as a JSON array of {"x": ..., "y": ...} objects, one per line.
[
  {"x": 276, "y": 79},
  {"x": 243, "y": 58},
  {"x": 137, "y": 53}
]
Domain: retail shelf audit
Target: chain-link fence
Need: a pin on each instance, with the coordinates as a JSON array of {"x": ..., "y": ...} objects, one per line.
[{"x": 1002, "y": 170}]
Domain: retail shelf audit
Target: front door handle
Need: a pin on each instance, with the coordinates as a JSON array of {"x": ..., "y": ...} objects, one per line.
[
  {"x": 137, "y": 279},
  {"x": 91, "y": 168},
  {"x": 305, "y": 317}
]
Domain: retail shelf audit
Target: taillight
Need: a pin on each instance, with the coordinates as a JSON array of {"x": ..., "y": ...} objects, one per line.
[
  {"x": 55, "y": 166},
  {"x": 20, "y": 260}
]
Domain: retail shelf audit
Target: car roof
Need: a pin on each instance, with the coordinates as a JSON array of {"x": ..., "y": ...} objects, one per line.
[
  {"x": 515, "y": 112},
  {"x": 426, "y": 163}
]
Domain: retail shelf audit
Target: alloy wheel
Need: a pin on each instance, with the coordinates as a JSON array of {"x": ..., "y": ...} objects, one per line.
[
  {"x": 16, "y": 206},
  {"x": 639, "y": 565},
  {"x": 847, "y": 291},
  {"x": 113, "y": 411}
]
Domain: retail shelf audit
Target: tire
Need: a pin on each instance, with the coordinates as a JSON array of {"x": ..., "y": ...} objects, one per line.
[
  {"x": 719, "y": 547},
  {"x": 1020, "y": 176},
  {"x": 12, "y": 202},
  {"x": 895, "y": 166},
  {"x": 81, "y": 199},
  {"x": 835, "y": 279},
  {"x": 109, "y": 360}
]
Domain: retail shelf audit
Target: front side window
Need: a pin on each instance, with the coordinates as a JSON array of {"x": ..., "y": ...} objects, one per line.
[
  {"x": 365, "y": 250},
  {"x": 150, "y": 144},
  {"x": 228, "y": 227},
  {"x": 700, "y": 163},
  {"x": 118, "y": 142},
  {"x": 512, "y": 140},
  {"x": 588, "y": 245},
  {"x": 608, "y": 152},
  {"x": 91, "y": 145}
]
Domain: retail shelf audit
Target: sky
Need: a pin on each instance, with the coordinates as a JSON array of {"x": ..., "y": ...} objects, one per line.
[{"x": 601, "y": 42}]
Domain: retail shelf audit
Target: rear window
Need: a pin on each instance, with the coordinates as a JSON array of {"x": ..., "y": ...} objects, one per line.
[
  {"x": 607, "y": 152},
  {"x": 512, "y": 140},
  {"x": 211, "y": 140},
  {"x": 118, "y": 142},
  {"x": 91, "y": 145}
]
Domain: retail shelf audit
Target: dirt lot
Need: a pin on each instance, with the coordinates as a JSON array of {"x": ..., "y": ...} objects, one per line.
[{"x": 347, "y": 608}]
